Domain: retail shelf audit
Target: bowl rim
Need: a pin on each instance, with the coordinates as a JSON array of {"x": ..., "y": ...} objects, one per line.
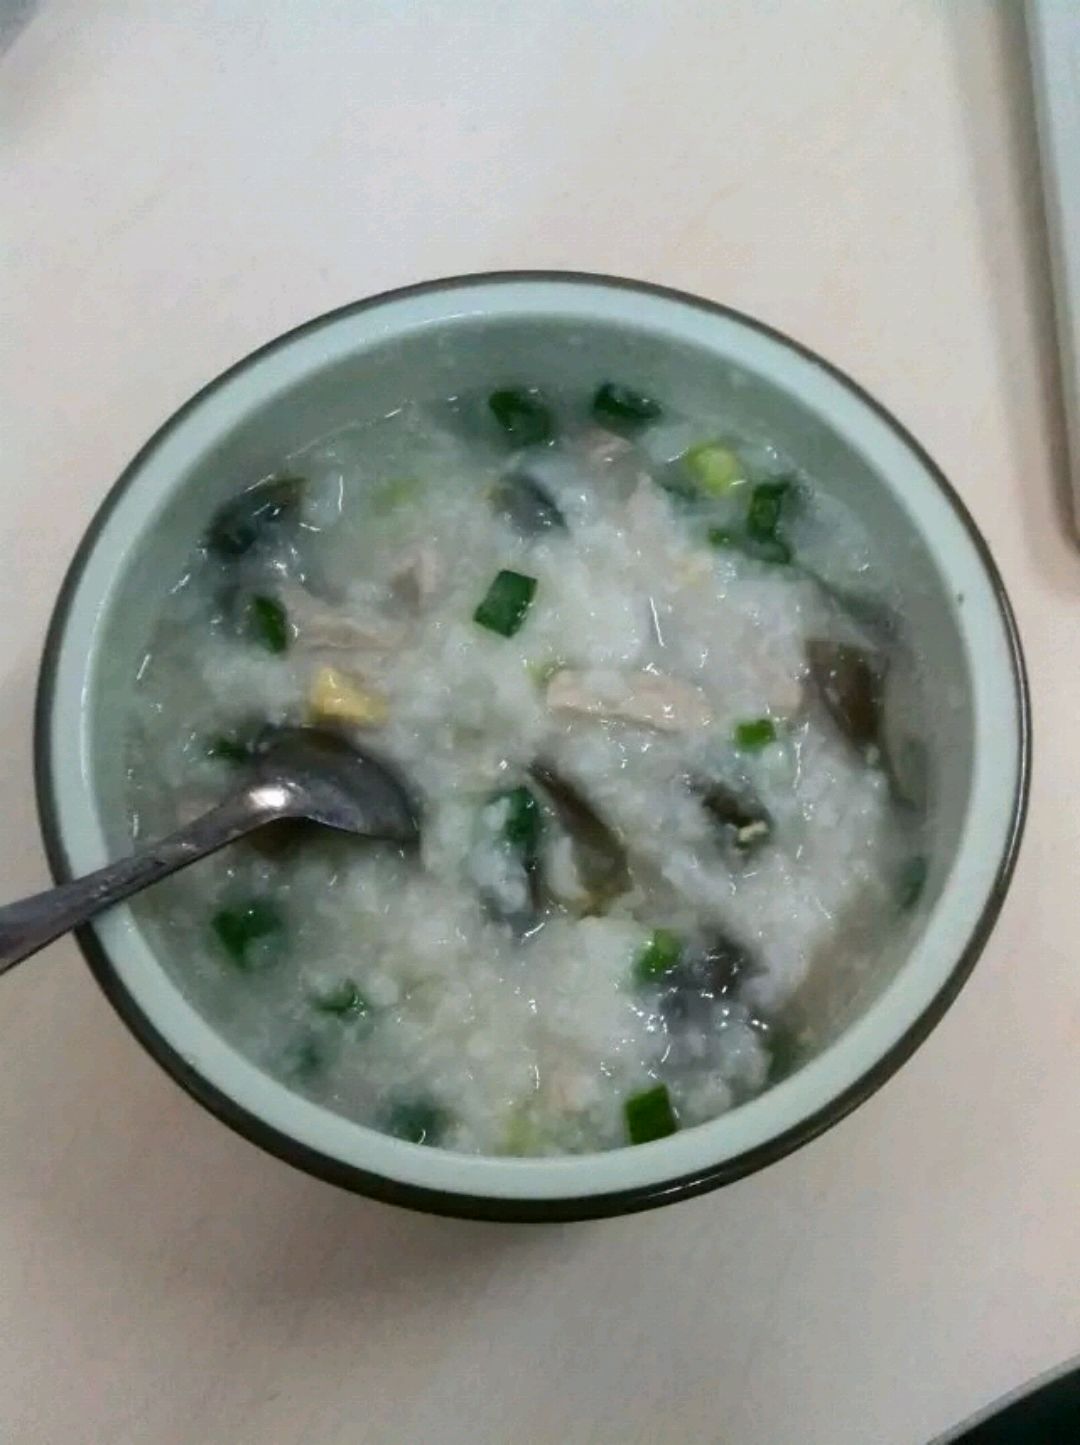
[{"x": 466, "y": 1204}]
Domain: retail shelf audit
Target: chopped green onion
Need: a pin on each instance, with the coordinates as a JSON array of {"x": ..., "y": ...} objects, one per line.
[
  {"x": 765, "y": 510},
  {"x": 524, "y": 822},
  {"x": 649, "y": 1115},
  {"x": 912, "y": 881},
  {"x": 519, "y": 821},
  {"x": 752, "y": 736},
  {"x": 775, "y": 550},
  {"x": 506, "y": 603},
  {"x": 268, "y": 623},
  {"x": 785, "y": 1051},
  {"x": 420, "y": 1121},
  {"x": 239, "y": 743},
  {"x": 303, "y": 1059},
  {"x": 238, "y": 929},
  {"x": 714, "y": 467},
  {"x": 524, "y": 1135},
  {"x": 245, "y": 520},
  {"x": 659, "y": 956},
  {"x": 523, "y": 414},
  {"x": 228, "y": 748},
  {"x": 343, "y": 999},
  {"x": 620, "y": 409}
]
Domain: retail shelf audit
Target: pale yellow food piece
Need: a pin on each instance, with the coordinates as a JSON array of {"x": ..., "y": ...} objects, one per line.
[{"x": 334, "y": 696}]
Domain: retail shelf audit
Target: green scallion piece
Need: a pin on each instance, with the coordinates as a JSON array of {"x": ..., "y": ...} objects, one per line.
[
  {"x": 774, "y": 550},
  {"x": 911, "y": 882},
  {"x": 659, "y": 956},
  {"x": 420, "y": 1121},
  {"x": 752, "y": 736},
  {"x": 621, "y": 409},
  {"x": 506, "y": 603},
  {"x": 524, "y": 822},
  {"x": 343, "y": 1000},
  {"x": 268, "y": 623},
  {"x": 765, "y": 511},
  {"x": 785, "y": 1051},
  {"x": 649, "y": 1115},
  {"x": 714, "y": 467},
  {"x": 237, "y": 929},
  {"x": 303, "y": 1059},
  {"x": 523, "y": 414},
  {"x": 228, "y": 748}
]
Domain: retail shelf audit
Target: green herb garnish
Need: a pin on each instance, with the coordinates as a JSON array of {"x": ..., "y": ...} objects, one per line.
[
  {"x": 649, "y": 1115},
  {"x": 764, "y": 513},
  {"x": 659, "y": 956},
  {"x": 524, "y": 822},
  {"x": 303, "y": 1059},
  {"x": 420, "y": 1121},
  {"x": 238, "y": 743},
  {"x": 785, "y": 1051},
  {"x": 268, "y": 623},
  {"x": 752, "y": 736},
  {"x": 760, "y": 537},
  {"x": 506, "y": 603},
  {"x": 775, "y": 550},
  {"x": 343, "y": 1000},
  {"x": 714, "y": 467},
  {"x": 524, "y": 1135},
  {"x": 237, "y": 929},
  {"x": 911, "y": 882},
  {"x": 228, "y": 748}
]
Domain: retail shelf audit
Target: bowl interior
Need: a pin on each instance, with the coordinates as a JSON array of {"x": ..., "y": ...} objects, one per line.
[{"x": 436, "y": 342}]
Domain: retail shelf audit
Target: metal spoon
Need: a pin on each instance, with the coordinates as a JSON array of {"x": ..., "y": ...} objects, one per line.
[{"x": 297, "y": 773}]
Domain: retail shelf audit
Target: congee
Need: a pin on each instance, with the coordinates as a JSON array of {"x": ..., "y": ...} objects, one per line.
[{"x": 635, "y": 669}]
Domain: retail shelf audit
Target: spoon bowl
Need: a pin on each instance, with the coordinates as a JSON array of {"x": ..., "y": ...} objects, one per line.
[
  {"x": 326, "y": 780},
  {"x": 299, "y": 774}
]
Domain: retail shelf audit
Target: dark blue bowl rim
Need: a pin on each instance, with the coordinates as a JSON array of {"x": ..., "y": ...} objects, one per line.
[{"x": 467, "y": 1205}]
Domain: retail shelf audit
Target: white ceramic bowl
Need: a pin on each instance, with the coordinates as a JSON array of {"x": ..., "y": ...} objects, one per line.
[{"x": 449, "y": 336}]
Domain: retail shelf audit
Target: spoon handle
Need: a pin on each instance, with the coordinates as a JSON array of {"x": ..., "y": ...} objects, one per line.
[{"x": 33, "y": 922}]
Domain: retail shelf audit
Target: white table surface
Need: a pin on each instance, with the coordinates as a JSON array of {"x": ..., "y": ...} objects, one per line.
[{"x": 182, "y": 180}]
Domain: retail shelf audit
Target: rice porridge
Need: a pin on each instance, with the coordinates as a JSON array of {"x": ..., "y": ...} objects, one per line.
[{"x": 633, "y": 668}]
